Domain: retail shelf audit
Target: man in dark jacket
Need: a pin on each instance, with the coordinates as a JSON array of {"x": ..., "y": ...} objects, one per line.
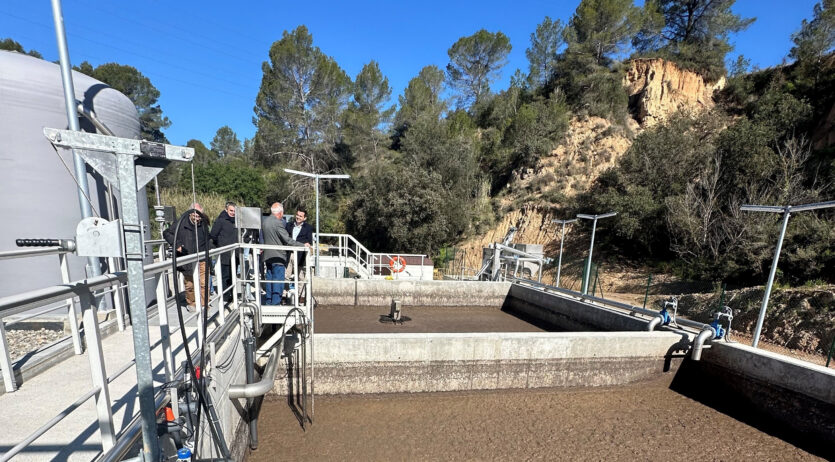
[
  {"x": 190, "y": 240},
  {"x": 224, "y": 233},
  {"x": 301, "y": 231}
]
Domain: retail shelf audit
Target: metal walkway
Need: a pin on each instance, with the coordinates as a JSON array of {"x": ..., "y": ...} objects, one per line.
[{"x": 47, "y": 395}]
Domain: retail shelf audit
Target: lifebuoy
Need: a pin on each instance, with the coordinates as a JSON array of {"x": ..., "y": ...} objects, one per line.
[{"x": 397, "y": 264}]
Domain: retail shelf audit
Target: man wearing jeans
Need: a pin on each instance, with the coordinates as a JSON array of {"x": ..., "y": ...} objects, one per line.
[{"x": 274, "y": 232}]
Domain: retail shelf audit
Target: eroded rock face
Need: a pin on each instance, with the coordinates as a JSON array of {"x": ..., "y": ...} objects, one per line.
[{"x": 658, "y": 88}]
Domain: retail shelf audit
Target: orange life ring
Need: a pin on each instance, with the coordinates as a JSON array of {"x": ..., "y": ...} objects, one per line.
[{"x": 397, "y": 264}]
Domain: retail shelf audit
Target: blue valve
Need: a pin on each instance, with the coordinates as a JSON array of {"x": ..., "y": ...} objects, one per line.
[
  {"x": 717, "y": 326},
  {"x": 184, "y": 454}
]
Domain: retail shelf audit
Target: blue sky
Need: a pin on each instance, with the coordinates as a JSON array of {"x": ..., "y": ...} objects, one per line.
[{"x": 205, "y": 56}]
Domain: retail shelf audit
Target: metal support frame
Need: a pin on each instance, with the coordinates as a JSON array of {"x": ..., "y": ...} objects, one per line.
[
  {"x": 316, "y": 177},
  {"x": 586, "y": 276},
  {"x": 562, "y": 239},
  {"x": 120, "y": 159},
  {"x": 98, "y": 371},
  {"x": 786, "y": 211},
  {"x": 6, "y": 361},
  {"x": 72, "y": 314}
]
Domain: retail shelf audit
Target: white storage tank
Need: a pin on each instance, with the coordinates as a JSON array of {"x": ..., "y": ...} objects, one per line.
[{"x": 39, "y": 195}]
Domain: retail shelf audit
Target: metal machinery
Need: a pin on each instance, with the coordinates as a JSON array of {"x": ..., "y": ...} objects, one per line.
[{"x": 501, "y": 261}]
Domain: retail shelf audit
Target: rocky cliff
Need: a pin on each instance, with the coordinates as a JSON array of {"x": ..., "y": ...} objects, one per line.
[{"x": 658, "y": 88}]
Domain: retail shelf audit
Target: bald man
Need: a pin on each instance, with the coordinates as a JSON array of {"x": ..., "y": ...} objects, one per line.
[
  {"x": 190, "y": 240},
  {"x": 274, "y": 232}
]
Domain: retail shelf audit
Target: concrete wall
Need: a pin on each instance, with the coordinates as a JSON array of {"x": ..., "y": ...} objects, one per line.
[
  {"x": 568, "y": 313},
  {"x": 389, "y": 363},
  {"x": 365, "y": 292},
  {"x": 777, "y": 389}
]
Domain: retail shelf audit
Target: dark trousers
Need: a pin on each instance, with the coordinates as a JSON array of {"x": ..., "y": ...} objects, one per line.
[{"x": 226, "y": 277}]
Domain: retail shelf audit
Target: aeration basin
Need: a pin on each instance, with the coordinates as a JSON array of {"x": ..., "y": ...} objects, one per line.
[{"x": 500, "y": 371}]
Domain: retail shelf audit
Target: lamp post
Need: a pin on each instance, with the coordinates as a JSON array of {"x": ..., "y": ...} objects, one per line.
[
  {"x": 316, "y": 177},
  {"x": 562, "y": 239},
  {"x": 786, "y": 211},
  {"x": 591, "y": 246}
]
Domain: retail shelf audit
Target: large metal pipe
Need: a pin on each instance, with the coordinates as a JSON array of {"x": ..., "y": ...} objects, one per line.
[
  {"x": 698, "y": 344},
  {"x": 654, "y": 322},
  {"x": 262, "y": 387},
  {"x": 72, "y": 122}
]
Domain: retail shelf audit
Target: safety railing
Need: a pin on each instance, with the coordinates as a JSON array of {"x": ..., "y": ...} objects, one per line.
[
  {"x": 85, "y": 291},
  {"x": 350, "y": 253}
]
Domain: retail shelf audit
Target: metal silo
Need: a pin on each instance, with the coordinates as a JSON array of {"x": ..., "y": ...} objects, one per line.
[{"x": 37, "y": 188}]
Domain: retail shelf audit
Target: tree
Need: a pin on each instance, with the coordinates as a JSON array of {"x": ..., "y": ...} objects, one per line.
[
  {"x": 815, "y": 38},
  {"x": 298, "y": 106},
  {"x": 422, "y": 96},
  {"x": 694, "y": 33},
  {"x": 202, "y": 154},
  {"x": 225, "y": 143},
  {"x": 546, "y": 42},
  {"x": 139, "y": 90},
  {"x": 474, "y": 62},
  {"x": 12, "y": 45},
  {"x": 366, "y": 117},
  {"x": 601, "y": 29}
]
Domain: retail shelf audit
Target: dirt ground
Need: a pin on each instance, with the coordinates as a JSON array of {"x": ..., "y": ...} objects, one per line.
[
  {"x": 334, "y": 319},
  {"x": 646, "y": 421}
]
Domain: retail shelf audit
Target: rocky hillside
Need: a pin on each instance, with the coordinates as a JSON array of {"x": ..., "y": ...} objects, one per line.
[{"x": 656, "y": 89}]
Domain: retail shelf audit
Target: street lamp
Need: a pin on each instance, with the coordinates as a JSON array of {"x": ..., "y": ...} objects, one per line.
[
  {"x": 562, "y": 238},
  {"x": 786, "y": 211},
  {"x": 317, "y": 177},
  {"x": 591, "y": 246}
]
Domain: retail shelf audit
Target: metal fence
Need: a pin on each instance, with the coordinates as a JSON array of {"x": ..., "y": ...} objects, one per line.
[{"x": 78, "y": 297}]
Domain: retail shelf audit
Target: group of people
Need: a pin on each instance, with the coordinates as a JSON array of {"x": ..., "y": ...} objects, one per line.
[{"x": 275, "y": 230}]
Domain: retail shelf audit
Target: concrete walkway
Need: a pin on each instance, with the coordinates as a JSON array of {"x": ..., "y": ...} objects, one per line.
[{"x": 47, "y": 395}]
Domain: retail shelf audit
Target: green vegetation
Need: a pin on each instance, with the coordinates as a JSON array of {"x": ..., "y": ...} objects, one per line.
[{"x": 433, "y": 169}]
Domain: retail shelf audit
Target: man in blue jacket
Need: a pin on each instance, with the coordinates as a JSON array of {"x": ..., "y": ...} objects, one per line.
[{"x": 274, "y": 232}]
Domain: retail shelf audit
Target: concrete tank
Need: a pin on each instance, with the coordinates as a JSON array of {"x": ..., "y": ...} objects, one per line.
[{"x": 39, "y": 198}]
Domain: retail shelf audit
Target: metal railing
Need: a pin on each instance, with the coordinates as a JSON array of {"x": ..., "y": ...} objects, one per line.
[
  {"x": 350, "y": 253},
  {"x": 84, "y": 291}
]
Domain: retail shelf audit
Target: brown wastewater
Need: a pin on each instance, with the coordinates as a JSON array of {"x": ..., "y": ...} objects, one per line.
[{"x": 673, "y": 417}]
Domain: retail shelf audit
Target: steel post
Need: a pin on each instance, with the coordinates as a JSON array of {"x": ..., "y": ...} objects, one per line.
[
  {"x": 770, "y": 282},
  {"x": 72, "y": 123},
  {"x": 221, "y": 310},
  {"x": 316, "y": 256},
  {"x": 6, "y": 361},
  {"x": 72, "y": 314},
  {"x": 98, "y": 372},
  {"x": 134, "y": 254},
  {"x": 164, "y": 329},
  {"x": 588, "y": 262},
  {"x": 559, "y": 260}
]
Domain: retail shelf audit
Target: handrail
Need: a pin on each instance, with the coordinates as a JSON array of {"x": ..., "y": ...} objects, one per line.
[
  {"x": 605, "y": 301},
  {"x": 30, "y": 252},
  {"x": 20, "y": 302}
]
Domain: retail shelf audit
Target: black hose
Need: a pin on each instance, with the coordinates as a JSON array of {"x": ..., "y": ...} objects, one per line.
[{"x": 198, "y": 384}]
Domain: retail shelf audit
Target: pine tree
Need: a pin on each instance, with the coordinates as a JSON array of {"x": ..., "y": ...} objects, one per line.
[{"x": 474, "y": 62}]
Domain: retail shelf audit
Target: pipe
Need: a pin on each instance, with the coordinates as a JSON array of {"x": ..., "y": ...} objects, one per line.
[
  {"x": 72, "y": 122},
  {"x": 262, "y": 387},
  {"x": 91, "y": 116},
  {"x": 249, "y": 358},
  {"x": 654, "y": 322},
  {"x": 707, "y": 333}
]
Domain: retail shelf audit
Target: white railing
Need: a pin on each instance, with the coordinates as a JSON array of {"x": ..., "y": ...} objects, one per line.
[
  {"x": 350, "y": 253},
  {"x": 82, "y": 293}
]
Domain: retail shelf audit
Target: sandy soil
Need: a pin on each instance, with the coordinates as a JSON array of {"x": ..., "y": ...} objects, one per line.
[
  {"x": 331, "y": 319},
  {"x": 646, "y": 421}
]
